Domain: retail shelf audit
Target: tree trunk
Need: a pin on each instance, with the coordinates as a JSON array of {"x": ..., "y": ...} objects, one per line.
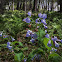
[
  {"x": 60, "y": 5},
  {"x": 51, "y": 5},
  {"x": 13, "y": 5},
  {"x": 38, "y": 4},
  {"x": 25, "y": 5},
  {"x": 1, "y": 6},
  {"x": 48, "y": 5},
  {"x": 30, "y": 5},
  {"x": 43, "y": 5},
  {"x": 35, "y": 5},
  {"x": 21, "y": 5},
  {"x": 17, "y": 5}
]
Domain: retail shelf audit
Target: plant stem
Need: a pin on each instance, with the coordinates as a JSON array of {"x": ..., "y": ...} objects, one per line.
[{"x": 39, "y": 34}]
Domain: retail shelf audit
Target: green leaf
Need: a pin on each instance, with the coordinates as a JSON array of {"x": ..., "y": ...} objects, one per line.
[
  {"x": 16, "y": 48},
  {"x": 41, "y": 33},
  {"x": 31, "y": 55},
  {"x": 53, "y": 54},
  {"x": 39, "y": 50},
  {"x": 45, "y": 43},
  {"x": 25, "y": 48},
  {"x": 54, "y": 57},
  {"x": 3, "y": 45},
  {"x": 14, "y": 42},
  {"x": 19, "y": 57},
  {"x": 20, "y": 44}
]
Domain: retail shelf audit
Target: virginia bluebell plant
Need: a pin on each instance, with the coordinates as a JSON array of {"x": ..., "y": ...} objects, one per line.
[
  {"x": 40, "y": 20},
  {"x": 36, "y": 56},
  {"x": 12, "y": 38},
  {"x": 44, "y": 16},
  {"x": 29, "y": 13},
  {"x": 55, "y": 39},
  {"x": 27, "y": 20},
  {"x": 34, "y": 36},
  {"x": 40, "y": 15},
  {"x": 53, "y": 49},
  {"x": 8, "y": 46},
  {"x": 31, "y": 34},
  {"x": 8, "y": 43},
  {"x": 25, "y": 60},
  {"x": 1, "y": 34},
  {"x": 47, "y": 35},
  {"x": 49, "y": 43},
  {"x": 4, "y": 36}
]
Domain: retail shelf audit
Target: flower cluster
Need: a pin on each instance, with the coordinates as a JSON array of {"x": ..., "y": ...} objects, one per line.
[
  {"x": 0, "y": 34},
  {"x": 7, "y": 36},
  {"x": 25, "y": 60},
  {"x": 8, "y": 46},
  {"x": 41, "y": 20},
  {"x": 27, "y": 20},
  {"x": 4, "y": 36},
  {"x": 36, "y": 56},
  {"x": 43, "y": 16},
  {"x": 55, "y": 42},
  {"x": 29, "y": 13},
  {"x": 32, "y": 35},
  {"x": 53, "y": 49},
  {"x": 49, "y": 43},
  {"x": 55, "y": 39},
  {"x": 12, "y": 38}
]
